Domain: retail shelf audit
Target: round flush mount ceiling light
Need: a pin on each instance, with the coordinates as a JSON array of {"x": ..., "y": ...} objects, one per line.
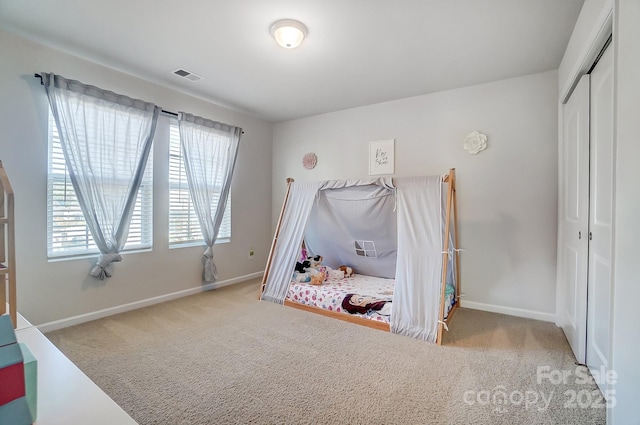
[{"x": 288, "y": 33}]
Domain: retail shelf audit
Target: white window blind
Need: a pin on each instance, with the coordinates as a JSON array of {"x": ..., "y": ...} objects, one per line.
[
  {"x": 67, "y": 231},
  {"x": 184, "y": 228}
]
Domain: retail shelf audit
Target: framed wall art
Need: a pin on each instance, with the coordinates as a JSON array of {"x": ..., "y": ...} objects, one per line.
[{"x": 381, "y": 157}]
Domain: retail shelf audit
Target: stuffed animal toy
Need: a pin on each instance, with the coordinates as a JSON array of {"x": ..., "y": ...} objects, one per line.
[
  {"x": 301, "y": 267},
  {"x": 311, "y": 270},
  {"x": 317, "y": 279},
  {"x": 335, "y": 274},
  {"x": 348, "y": 271},
  {"x": 314, "y": 271},
  {"x": 303, "y": 255},
  {"x": 301, "y": 277},
  {"x": 315, "y": 261}
]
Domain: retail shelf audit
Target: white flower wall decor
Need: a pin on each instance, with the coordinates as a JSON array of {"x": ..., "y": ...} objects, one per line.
[{"x": 475, "y": 142}]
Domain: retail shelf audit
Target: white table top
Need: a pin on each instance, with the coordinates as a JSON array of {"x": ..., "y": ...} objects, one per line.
[{"x": 66, "y": 396}]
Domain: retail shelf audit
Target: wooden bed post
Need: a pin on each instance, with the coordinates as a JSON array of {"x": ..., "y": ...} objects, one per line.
[
  {"x": 455, "y": 237},
  {"x": 451, "y": 178},
  {"x": 275, "y": 238}
]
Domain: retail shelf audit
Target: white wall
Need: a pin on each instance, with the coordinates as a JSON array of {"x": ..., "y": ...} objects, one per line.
[
  {"x": 506, "y": 194},
  {"x": 626, "y": 326},
  {"x": 49, "y": 291}
]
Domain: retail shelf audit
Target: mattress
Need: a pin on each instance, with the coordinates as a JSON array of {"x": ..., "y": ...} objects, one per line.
[{"x": 331, "y": 294}]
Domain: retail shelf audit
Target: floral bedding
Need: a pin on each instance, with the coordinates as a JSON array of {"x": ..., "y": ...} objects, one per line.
[{"x": 331, "y": 294}]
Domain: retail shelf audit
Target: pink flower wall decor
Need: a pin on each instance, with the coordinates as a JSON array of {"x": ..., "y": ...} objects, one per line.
[{"x": 309, "y": 161}]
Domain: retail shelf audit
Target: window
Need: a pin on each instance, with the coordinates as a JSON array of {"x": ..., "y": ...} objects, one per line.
[
  {"x": 184, "y": 228},
  {"x": 67, "y": 231},
  {"x": 365, "y": 249}
]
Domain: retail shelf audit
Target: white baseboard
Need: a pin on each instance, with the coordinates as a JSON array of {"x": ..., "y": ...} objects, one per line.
[
  {"x": 94, "y": 315},
  {"x": 518, "y": 312}
]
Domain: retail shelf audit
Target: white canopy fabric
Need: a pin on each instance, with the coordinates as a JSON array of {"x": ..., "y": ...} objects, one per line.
[
  {"x": 416, "y": 298},
  {"x": 287, "y": 249},
  {"x": 354, "y": 223}
]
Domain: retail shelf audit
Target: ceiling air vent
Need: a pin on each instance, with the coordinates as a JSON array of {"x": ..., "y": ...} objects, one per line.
[{"x": 187, "y": 74}]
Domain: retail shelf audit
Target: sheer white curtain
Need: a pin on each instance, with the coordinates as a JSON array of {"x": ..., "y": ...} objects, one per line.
[
  {"x": 106, "y": 139},
  {"x": 416, "y": 298},
  {"x": 210, "y": 150},
  {"x": 287, "y": 249}
]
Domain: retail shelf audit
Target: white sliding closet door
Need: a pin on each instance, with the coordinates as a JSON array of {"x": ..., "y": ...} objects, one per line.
[
  {"x": 600, "y": 215},
  {"x": 575, "y": 218},
  {"x": 587, "y": 190}
]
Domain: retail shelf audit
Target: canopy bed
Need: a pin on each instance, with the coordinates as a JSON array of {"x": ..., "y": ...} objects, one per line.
[{"x": 399, "y": 235}]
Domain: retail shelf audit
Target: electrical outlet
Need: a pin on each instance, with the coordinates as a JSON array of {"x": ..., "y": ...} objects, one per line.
[{"x": 251, "y": 253}]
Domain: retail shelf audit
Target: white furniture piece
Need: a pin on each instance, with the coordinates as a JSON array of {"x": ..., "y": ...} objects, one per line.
[{"x": 66, "y": 396}]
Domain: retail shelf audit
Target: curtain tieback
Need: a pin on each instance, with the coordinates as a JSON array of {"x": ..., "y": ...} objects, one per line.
[
  {"x": 454, "y": 250},
  {"x": 210, "y": 272},
  {"x": 100, "y": 270},
  {"x": 444, "y": 324}
]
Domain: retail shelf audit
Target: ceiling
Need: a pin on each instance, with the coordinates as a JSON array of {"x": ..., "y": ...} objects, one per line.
[{"x": 357, "y": 52}]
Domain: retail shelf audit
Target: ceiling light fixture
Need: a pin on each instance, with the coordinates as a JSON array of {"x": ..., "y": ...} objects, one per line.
[{"x": 288, "y": 33}]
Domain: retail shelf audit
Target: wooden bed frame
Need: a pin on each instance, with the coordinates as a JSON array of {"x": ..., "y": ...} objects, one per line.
[
  {"x": 451, "y": 214},
  {"x": 345, "y": 317}
]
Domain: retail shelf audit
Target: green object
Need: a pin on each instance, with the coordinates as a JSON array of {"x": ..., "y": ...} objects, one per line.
[
  {"x": 30, "y": 380},
  {"x": 16, "y": 412},
  {"x": 450, "y": 289},
  {"x": 7, "y": 334},
  {"x": 10, "y": 355}
]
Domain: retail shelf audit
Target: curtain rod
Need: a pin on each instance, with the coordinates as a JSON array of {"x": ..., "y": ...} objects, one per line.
[{"x": 164, "y": 111}]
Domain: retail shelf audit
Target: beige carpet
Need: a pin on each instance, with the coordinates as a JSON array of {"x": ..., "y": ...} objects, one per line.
[{"x": 222, "y": 357}]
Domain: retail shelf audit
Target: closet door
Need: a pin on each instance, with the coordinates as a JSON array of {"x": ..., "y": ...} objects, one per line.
[
  {"x": 575, "y": 218},
  {"x": 600, "y": 214}
]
